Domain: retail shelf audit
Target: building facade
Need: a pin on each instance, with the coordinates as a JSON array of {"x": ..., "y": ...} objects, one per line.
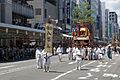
[
  {"x": 95, "y": 5},
  {"x": 42, "y": 10},
  {"x": 113, "y": 18},
  {"x": 16, "y": 12},
  {"x": 15, "y": 29},
  {"x": 107, "y": 23},
  {"x": 103, "y": 19}
]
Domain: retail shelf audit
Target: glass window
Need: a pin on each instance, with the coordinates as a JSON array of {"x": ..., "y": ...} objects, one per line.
[
  {"x": 45, "y": 13},
  {"x": 38, "y": 11}
]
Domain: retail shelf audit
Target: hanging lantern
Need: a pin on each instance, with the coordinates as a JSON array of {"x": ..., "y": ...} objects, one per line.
[
  {"x": 17, "y": 31},
  {"x": 6, "y": 30},
  {"x": 33, "y": 33},
  {"x": 26, "y": 32}
]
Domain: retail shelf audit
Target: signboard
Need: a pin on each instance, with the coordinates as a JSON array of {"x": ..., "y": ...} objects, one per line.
[{"x": 48, "y": 38}]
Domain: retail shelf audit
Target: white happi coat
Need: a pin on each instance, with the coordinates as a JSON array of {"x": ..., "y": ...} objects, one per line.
[
  {"x": 59, "y": 50},
  {"x": 39, "y": 56},
  {"x": 74, "y": 51},
  {"x": 78, "y": 54},
  {"x": 98, "y": 52},
  {"x": 46, "y": 60},
  {"x": 68, "y": 50},
  {"x": 89, "y": 51}
]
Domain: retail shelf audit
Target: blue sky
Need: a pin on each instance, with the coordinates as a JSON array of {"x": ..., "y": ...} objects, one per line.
[{"x": 113, "y": 5}]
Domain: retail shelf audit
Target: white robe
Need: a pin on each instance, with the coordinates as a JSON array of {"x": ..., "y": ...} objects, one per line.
[
  {"x": 46, "y": 60},
  {"x": 59, "y": 51},
  {"x": 74, "y": 51},
  {"x": 39, "y": 57}
]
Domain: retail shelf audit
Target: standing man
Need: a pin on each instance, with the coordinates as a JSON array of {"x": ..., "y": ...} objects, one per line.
[
  {"x": 74, "y": 49},
  {"x": 69, "y": 51},
  {"x": 59, "y": 52},
  {"x": 99, "y": 53},
  {"x": 39, "y": 58},
  {"x": 79, "y": 57},
  {"x": 54, "y": 51},
  {"x": 89, "y": 53},
  {"x": 109, "y": 53},
  {"x": 46, "y": 61}
]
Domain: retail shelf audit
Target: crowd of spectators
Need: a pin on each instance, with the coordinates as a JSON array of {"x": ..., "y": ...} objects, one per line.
[{"x": 8, "y": 54}]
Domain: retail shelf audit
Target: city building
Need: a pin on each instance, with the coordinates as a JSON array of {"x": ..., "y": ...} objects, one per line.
[
  {"x": 113, "y": 18},
  {"x": 42, "y": 10},
  {"x": 15, "y": 29},
  {"x": 103, "y": 20},
  {"x": 119, "y": 34},
  {"x": 95, "y": 5},
  {"x": 107, "y": 23}
]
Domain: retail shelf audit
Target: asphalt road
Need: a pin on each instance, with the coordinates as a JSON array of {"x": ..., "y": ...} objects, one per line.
[{"x": 65, "y": 70}]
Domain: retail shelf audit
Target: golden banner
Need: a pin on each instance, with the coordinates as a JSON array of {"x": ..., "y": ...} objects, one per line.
[{"x": 48, "y": 38}]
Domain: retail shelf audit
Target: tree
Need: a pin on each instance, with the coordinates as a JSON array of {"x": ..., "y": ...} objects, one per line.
[{"x": 82, "y": 13}]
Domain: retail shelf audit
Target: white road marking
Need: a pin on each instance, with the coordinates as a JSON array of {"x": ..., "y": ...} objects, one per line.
[
  {"x": 95, "y": 70},
  {"x": 89, "y": 75},
  {"x": 105, "y": 70},
  {"x": 15, "y": 70},
  {"x": 110, "y": 75},
  {"x": 95, "y": 78},
  {"x": 101, "y": 65},
  {"x": 7, "y": 67},
  {"x": 86, "y": 77},
  {"x": 113, "y": 63},
  {"x": 106, "y": 63},
  {"x": 109, "y": 66},
  {"x": 82, "y": 78},
  {"x": 116, "y": 55},
  {"x": 61, "y": 75},
  {"x": 72, "y": 62}
]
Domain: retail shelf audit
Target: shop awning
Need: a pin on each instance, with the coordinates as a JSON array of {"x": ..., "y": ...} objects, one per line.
[
  {"x": 65, "y": 35},
  {"x": 4, "y": 25}
]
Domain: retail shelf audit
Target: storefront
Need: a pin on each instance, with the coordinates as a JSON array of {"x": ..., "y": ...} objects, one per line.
[{"x": 18, "y": 36}]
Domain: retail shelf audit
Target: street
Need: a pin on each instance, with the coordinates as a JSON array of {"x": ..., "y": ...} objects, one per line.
[{"x": 65, "y": 70}]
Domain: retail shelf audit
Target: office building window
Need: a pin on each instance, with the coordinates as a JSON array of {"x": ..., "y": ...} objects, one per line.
[
  {"x": 45, "y": 13},
  {"x": 38, "y": 11}
]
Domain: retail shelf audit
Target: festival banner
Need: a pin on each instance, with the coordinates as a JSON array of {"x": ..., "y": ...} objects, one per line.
[{"x": 48, "y": 38}]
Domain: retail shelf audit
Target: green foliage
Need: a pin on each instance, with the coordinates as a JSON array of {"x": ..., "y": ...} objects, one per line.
[{"x": 82, "y": 12}]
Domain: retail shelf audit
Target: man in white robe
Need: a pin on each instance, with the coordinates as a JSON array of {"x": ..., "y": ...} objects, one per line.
[
  {"x": 39, "y": 58},
  {"x": 46, "y": 61},
  {"x": 69, "y": 51},
  {"x": 59, "y": 52},
  {"x": 79, "y": 56}
]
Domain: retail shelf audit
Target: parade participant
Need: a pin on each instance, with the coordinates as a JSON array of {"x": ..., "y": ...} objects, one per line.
[
  {"x": 74, "y": 52},
  {"x": 93, "y": 53},
  {"x": 109, "y": 52},
  {"x": 99, "y": 53},
  {"x": 39, "y": 58},
  {"x": 96, "y": 53},
  {"x": 46, "y": 61},
  {"x": 59, "y": 52},
  {"x": 89, "y": 53},
  {"x": 79, "y": 57},
  {"x": 69, "y": 51},
  {"x": 84, "y": 52},
  {"x": 54, "y": 49},
  {"x": 103, "y": 50}
]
